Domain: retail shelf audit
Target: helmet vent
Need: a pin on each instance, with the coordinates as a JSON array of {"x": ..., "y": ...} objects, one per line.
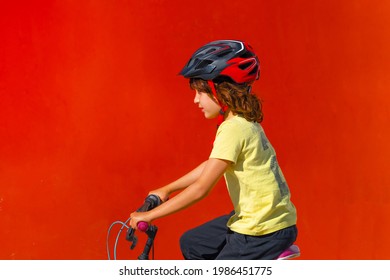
[
  {"x": 247, "y": 55},
  {"x": 223, "y": 53},
  {"x": 210, "y": 50},
  {"x": 245, "y": 65},
  {"x": 203, "y": 64},
  {"x": 254, "y": 70}
]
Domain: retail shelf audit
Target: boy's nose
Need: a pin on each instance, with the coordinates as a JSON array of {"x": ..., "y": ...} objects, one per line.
[{"x": 196, "y": 99}]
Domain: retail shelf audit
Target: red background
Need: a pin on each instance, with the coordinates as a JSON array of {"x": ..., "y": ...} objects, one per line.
[{"x": 93, "y": 115}]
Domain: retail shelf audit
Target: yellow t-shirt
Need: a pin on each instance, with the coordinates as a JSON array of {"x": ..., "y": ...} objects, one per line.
[{"x": 256, "y": 185}]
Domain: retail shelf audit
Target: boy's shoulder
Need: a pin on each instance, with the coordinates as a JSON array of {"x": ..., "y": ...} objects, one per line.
[
  {"x": 239, "y": 122},
  {"x": 239, "y": 125}
]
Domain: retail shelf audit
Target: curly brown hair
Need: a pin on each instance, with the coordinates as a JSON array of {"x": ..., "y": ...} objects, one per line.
[{"x": 236, "y": 96}]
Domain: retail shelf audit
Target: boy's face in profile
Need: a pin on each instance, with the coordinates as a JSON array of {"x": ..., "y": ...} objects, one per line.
[{"x": 209, "y": 106}]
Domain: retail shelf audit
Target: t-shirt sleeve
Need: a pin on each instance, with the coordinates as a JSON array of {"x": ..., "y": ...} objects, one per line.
[{"x": 228, "y": 142}]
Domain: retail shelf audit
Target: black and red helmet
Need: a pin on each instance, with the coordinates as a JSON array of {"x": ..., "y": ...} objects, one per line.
[{"x": 224, "y": 59}]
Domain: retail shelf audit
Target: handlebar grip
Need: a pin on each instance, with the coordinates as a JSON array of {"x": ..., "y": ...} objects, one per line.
[
  {"x": 151, "y": 201},
  {"x": 143, "y": 226}
]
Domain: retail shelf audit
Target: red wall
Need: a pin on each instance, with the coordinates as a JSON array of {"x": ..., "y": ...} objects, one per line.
[{"x": 93, "y": 115}]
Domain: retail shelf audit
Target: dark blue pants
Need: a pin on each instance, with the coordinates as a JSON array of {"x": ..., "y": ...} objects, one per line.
[{"x": 215, "y": 241}]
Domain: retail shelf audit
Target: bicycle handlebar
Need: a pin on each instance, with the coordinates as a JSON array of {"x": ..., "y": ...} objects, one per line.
[{"x": 151, "y": 201}]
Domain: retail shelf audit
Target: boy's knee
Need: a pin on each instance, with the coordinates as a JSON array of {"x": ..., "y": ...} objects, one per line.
[{"x": 185, "y": 245}]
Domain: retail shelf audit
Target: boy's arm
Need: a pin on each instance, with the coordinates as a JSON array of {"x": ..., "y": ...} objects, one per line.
[
  {"x": 180, "y": 183},
  {"x": 212, "y": 171}
]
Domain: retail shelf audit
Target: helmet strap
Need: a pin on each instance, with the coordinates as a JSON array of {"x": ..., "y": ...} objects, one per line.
[{"x": 221, "y": 116}]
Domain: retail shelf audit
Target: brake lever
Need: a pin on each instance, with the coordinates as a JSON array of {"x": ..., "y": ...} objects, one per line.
[{"x": 132, "y": 238}]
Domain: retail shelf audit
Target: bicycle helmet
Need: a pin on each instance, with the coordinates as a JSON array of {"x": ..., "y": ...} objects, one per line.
[{"x": 224, "y": 60}]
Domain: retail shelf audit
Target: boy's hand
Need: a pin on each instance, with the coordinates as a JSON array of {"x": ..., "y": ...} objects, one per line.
[{"x": 137, "y": 217}]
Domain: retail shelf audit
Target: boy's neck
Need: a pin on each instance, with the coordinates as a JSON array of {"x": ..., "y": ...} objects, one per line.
[{"x": 228, "y": 115}]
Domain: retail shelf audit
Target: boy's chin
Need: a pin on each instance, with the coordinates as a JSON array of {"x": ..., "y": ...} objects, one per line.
[{"x": 210, "y": 117}]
